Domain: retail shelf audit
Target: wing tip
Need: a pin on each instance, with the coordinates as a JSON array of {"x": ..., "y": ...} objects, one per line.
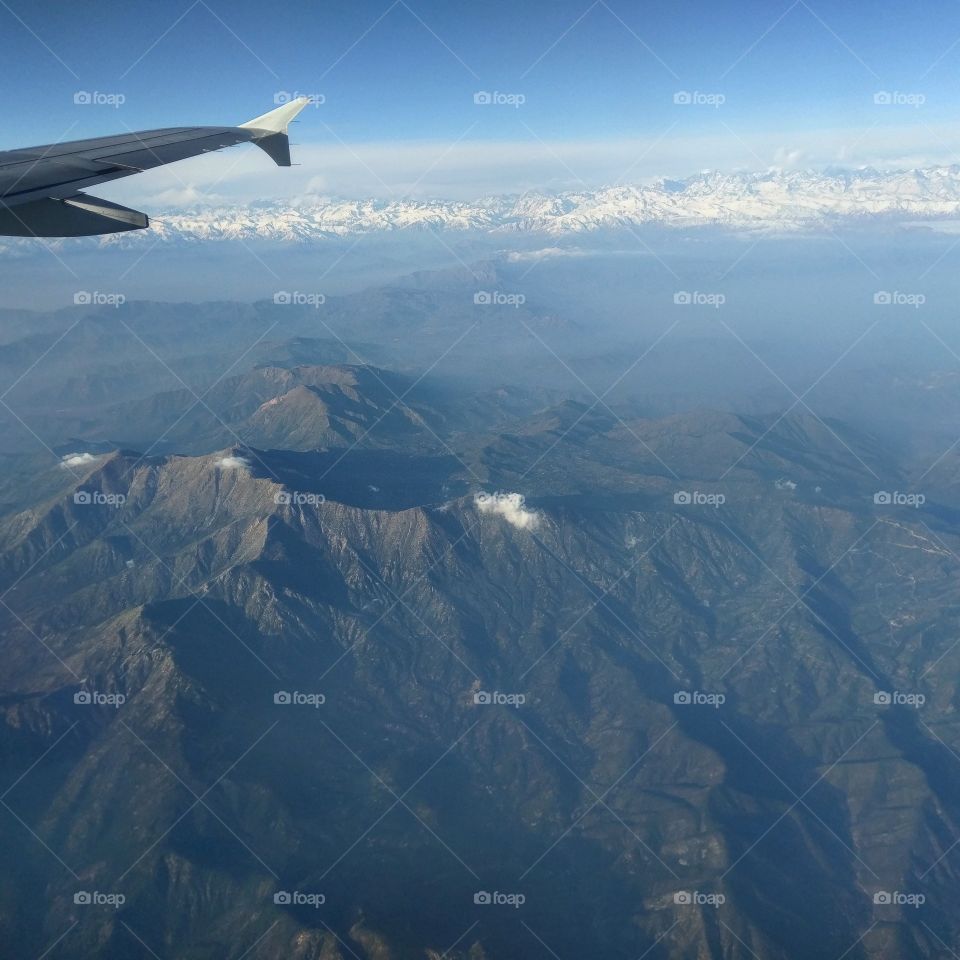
[{"x": 276, "y": 121}]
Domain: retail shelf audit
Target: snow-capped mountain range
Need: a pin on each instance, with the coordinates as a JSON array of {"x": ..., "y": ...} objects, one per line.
[{"x": 775, "y": 200}]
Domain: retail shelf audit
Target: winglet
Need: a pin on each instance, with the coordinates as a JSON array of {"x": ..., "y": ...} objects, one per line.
[
  {"x": 276, "y": 120},
  {"x": 270, "y": 130}
]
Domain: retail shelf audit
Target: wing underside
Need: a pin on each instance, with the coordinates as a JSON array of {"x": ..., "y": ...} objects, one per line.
[{"x": 78, "y": 216}]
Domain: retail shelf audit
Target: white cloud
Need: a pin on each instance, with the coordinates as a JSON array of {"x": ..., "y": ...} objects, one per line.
[
  {"x": 785, "y": 158},
  {"x": 232, "y": 463},
  {"x": 77, "y": 460},
  {"x": 476, "y": 168},
  {"x": 545, "y": 253},
  {"x": 188, "y": 195},
  {"x": 511, "y": 506}
]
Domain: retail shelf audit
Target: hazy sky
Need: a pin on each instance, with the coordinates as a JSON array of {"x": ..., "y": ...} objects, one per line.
[{"x": 580, "y": 92}]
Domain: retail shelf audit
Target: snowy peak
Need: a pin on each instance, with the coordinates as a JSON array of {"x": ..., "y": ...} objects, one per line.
[{"x": 774, "y": 199}]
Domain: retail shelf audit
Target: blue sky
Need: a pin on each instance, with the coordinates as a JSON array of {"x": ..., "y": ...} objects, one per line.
[{"x": 789, "y": 82}]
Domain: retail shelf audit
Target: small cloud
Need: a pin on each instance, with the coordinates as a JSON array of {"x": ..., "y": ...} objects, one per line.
[
  {"x": 545, "y": 253},
  {"x": 317, "y": 184},
  {"x": 187, "y": 196},
  {"x": 72, "y": 460},
  {"x": 511, "y": 506},
  {"x": 232, "y": 463},
  {"x": 786, "y": 157}
]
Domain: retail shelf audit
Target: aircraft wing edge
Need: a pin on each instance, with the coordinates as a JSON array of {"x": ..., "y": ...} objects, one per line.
[
  {"x": 40, "y": 194},
  {"x": 80, "y": 215}
]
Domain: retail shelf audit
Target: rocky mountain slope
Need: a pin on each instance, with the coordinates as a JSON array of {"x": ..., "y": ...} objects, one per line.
[{"x": 685, "y": 688}]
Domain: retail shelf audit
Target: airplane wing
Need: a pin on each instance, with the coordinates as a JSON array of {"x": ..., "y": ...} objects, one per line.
[{"x": 40, "y": 187}]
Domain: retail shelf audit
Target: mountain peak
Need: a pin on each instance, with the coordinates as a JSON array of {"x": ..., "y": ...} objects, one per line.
[{"x": 774, "y": 198}]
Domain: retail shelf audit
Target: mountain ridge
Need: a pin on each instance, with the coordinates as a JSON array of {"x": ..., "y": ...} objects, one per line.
[{"x": 772, "y": 200}]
